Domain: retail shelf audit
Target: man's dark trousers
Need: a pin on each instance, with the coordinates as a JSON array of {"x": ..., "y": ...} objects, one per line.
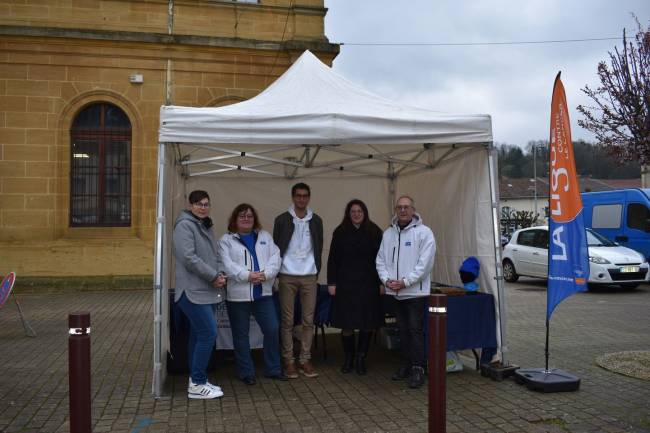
[{"x": 410, "y": 314}]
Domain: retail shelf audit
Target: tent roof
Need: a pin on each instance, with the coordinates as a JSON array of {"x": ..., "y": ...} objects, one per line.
[{"x": 311, "y": 104}]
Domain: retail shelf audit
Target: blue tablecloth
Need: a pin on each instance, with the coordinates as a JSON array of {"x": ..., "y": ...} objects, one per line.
[{"x": 471, "y": 323}]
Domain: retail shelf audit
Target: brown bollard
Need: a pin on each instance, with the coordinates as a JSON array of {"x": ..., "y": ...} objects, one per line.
[
  {"x": 79, "y": 371},
  {"x": 437, "y": 363}
]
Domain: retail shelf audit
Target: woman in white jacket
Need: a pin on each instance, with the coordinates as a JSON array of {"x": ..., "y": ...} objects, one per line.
[{"x": 251, "y": 261}]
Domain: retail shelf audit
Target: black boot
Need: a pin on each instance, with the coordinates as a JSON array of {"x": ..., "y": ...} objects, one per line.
[
  {"x": 417, "y": 377},
  {"x": 362, "y": 351},
  {"x": 348, "y": 348},
  {"x": 404, "y": 372}
]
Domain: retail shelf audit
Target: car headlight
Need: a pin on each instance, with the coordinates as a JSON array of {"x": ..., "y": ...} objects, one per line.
[{"x": 598, "y": 260}]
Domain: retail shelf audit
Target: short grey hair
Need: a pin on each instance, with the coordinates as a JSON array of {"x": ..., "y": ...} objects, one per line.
[{"x": 408, "y": 197}]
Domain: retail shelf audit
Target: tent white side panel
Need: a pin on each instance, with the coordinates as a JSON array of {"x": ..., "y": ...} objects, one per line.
[
  {"x": 169, "y": 180},
  {"x": 455, "y": 201},
  {"x": 272, "y": 196}
]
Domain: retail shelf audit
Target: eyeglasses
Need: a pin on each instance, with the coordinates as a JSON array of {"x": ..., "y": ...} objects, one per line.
[
  {"x": 249, "y": 216},
  {"x": 202, "y": 205},
  {"x": 403, "y": 207}
]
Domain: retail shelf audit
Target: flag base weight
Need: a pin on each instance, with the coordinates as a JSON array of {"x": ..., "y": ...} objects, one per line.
[{"x": 553, "y": 380}]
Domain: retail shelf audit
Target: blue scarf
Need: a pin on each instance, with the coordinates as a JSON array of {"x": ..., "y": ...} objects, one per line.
[{"x": 250, "y": 240}]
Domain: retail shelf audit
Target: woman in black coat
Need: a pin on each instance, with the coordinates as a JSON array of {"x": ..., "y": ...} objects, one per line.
[{"x": 354, "y": 284}]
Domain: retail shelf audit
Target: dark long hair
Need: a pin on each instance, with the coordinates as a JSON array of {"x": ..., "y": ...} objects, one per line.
[
  {"x": 232, "y": 221},
  {"x": 366, "y": 225}
]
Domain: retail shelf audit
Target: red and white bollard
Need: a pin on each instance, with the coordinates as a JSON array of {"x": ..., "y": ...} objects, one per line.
[
  {"x": 79, "y": 371},
  {"x": 437, "y": 363}
]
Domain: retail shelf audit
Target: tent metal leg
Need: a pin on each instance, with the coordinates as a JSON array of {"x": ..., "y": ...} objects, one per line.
[
  {"x": 391, "y": 187},
  {"x": 158, "y": 379},
  {"x": 492, "y": 170}
]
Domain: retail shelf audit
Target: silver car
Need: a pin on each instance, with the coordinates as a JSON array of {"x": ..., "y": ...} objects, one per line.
[{"x": 609, "y": 263}]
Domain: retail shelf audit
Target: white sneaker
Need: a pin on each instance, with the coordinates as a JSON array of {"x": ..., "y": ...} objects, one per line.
[
  {"x": 190, "y": 383},
  {"x": 217, "y": 387},
  {"x": 204, "y": 391}
]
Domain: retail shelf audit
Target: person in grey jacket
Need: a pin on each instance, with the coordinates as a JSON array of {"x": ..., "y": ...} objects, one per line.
[
  {"x": 199, "y": 288},
  {"x": 404, "y": 264},
  {"x": 251, "y": 261}
]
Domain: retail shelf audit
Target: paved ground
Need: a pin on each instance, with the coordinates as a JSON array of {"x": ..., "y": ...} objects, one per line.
[{"x": 33, "y": 379}]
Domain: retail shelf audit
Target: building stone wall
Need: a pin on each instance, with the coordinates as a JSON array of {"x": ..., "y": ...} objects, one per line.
[{"x": 56, "y": 57}]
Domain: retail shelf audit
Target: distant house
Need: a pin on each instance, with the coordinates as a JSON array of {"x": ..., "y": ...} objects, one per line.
[{"x": 531, "y": 195}]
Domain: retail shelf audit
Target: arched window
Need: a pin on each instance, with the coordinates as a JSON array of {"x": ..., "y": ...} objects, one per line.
[{"x": 100, "y": 167}]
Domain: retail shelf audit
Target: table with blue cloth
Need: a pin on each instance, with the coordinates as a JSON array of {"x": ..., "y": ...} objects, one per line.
[
  {"x": 471, "y": 321},
  {"x": 322, "y": 313},
  {"x": 471, "y": 324}
]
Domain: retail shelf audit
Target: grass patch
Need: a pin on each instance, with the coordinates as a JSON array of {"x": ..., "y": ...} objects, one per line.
[
  {"x": 82, "y": 283},
  {"x": 553, "y": 421}
]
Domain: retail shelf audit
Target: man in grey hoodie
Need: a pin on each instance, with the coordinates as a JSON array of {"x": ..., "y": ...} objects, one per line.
[{"x": 298, "y": 233}]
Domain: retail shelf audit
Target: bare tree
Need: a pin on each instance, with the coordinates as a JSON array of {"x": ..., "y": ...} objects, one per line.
[{"x": 620, "y": 118}]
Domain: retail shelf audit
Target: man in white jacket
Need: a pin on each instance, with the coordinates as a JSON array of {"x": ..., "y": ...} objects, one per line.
[{"x": 404, "y": 265}]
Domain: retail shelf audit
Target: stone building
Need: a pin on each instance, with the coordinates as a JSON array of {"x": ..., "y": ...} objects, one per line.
[{"x": 81, "y": 85}]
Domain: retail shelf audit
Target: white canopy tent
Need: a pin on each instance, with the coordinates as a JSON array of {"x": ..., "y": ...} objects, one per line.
[{"x": 315, "y": 126}]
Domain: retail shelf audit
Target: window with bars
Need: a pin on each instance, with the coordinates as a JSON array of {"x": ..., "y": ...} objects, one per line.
[{"x": 100, "y": 167}]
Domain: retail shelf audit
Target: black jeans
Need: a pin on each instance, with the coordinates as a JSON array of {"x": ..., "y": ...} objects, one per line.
[{"x": 410, "y": 314}]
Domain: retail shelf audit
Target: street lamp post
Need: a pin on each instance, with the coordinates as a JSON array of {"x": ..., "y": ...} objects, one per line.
[
  {"x": 535, "y": 146},
  {"x": 535, "y": 177}
]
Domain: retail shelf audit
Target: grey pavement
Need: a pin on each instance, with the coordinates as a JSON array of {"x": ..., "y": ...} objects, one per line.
[{"x": 34, "y": 382}]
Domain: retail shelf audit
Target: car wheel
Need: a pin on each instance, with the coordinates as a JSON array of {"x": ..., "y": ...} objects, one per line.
[
  {"x": 509, "y": 272},
  {"x": 594, "y": 287}
]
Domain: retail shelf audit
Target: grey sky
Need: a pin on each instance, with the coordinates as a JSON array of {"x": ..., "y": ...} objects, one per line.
[{"x": 513, "y": 83}]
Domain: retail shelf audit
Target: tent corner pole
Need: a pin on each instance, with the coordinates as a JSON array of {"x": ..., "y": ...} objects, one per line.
[
  {"x": 498, "y": 271},
  {"x": 392, "y": 177},
  {"x": 158, "y": 277}
]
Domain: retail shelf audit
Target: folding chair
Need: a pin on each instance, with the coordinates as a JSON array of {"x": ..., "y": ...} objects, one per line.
[{"x": 5, "y": 291}]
